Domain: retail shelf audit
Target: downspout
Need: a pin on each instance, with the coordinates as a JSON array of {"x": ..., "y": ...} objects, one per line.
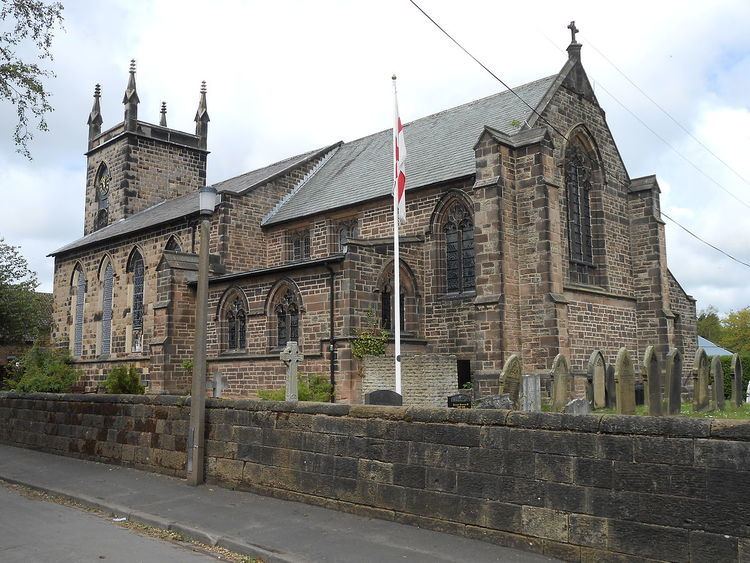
[{"x": 332, "y": 337}]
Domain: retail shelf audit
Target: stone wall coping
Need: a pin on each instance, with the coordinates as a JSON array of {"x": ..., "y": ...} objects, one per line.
[{"x": 665, "y": 426}]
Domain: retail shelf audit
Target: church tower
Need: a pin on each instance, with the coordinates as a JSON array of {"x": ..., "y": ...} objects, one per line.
[{"x": 135, "y": 165}]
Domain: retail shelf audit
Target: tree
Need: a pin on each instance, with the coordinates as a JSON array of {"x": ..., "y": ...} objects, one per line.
[
  {"x": 24, "y": 313},
  {"x": 736, "y": 331},
  {"x": 709, "y": 324},
  {"x": 27, "y": 23}
]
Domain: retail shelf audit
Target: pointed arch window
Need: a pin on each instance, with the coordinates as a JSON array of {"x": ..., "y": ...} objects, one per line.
[
  {"x": 173, "y": 245},
  {"x": 107, "y": 290},
  {"x": 101, "y": 184},
  {"x": 236, "y": 319},
  {"x": 386, "y": 307},
  {"x": 137, "y": 269},
  {"x": 458, "y": 230},
  {"x": 79, "y": 292},
  {"x": 578, "y": 188},
  {"x": 287, "y": 319}
]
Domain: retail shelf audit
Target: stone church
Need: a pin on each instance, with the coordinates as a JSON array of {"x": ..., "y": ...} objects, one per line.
[{"x": 525, "y": 234}]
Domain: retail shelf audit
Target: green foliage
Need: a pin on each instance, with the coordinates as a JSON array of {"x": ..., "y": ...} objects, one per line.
[
  {"x": 726, "y": 365},
  {"x": 371, "y": 340},
  {"x": 709, "y": 324},
  {"x": 44, "y": 371},
  {"x": 124, "y": 380},
  {"x": 314, "y": 387},
  {"x": 24, "y": 313},
  {"x": 187, "y": 366},
  {"x": 28, "y": 27},
  {"x": 467, "y": 385},
  {"x": 735, "y": 333}
]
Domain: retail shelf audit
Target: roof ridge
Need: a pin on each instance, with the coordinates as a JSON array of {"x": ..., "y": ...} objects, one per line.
[
  {"x": 465, "y": 104},
  {"x": 299, "y": 185}
]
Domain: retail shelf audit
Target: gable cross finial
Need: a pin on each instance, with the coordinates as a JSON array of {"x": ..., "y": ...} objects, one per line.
[{"x": 573, "y": 30}]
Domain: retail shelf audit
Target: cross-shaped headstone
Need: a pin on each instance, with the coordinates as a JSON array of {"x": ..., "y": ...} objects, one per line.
[
  {"x": 291, "y": 356},
  {"x": 573, "y": 30}
]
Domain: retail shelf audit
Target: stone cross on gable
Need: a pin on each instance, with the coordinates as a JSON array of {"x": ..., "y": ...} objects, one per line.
[
  {"x": 573, "y": 30},
  {"x": 291, "y": 356}
]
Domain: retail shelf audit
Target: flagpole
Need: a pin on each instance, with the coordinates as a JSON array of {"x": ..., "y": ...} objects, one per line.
[{"x": 396, "y": 259}]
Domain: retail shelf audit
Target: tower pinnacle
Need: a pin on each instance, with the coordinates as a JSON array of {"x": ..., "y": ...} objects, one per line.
[
  {"x": 95, "y": 117},
  {"x": 130, "y": 99},
  {"x": 201, "y": 118},
  {"x": 163, "y": 119}
]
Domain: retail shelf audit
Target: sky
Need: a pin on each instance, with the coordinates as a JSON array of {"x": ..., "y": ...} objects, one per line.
[{"x": 290, "y": 75}]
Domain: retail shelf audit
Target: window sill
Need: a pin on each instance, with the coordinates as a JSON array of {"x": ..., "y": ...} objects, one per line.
[{"x": 465, "y": 296}]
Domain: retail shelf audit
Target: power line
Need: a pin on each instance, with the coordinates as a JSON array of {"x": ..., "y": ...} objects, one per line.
[
  {"x": 665, "y": 112},
  {"x": 716, "y": 248},
  {"x": 668, "y": 144},
  {"x": 480, "y": 63},
  {"x": 496, "y": 77}
]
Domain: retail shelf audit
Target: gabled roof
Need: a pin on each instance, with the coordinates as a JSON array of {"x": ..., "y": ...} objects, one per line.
[{"x": 439, "y": 148}]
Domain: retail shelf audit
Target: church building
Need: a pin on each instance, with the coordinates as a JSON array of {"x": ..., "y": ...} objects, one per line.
[{"x": 525, "y": 235}]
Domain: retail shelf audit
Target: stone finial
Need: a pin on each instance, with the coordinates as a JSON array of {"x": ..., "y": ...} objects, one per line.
[
  {"x": 131, "y": 100},
  {"x": 163, "y": 118},
  {"x": 201, "y": 118},
  {"x": 95, "y": 117},
  {"x": 574, "y": 49}
]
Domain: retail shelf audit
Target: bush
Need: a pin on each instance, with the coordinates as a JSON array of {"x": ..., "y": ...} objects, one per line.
[
  {"x": 314, "y": 387},
  {"x": 43, "y": 371},
  {"x": 726, "y": 364},
  {"x": 125, "y": 381},
  {"x": 371, "y": 340}
]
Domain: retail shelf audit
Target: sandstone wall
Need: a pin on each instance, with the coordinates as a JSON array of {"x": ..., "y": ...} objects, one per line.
[{"x": 426, "y": 380}]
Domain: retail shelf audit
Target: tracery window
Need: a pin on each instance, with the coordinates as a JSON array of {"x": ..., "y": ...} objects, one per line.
[
  {"x": 287, "y": 319},
  {"x": 101, "y": 184},
  {"x": 173, "y": 245},
  {"x": 578, "y": 187},
  {"x": 236, "y": 320},
  {"x": 107, "y": 288},
  {"x": 138, "y": 270},
  {"x": 79, "y": 291},
  {"x": 458, "y": 230},
  {"x": 344, "y": 233}
]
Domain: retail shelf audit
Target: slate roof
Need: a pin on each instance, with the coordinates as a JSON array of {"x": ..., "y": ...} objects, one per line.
[{"x": 439, "y": 147}]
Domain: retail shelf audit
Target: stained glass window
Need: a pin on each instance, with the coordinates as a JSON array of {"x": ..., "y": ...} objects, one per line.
[
  {"x": 287, "y": 320},
  {"x": 578, "y": 185},
  {"x": 137, "y": 268},
  {"x": 80, "y": 291},
  {"x": 107, "y": 308},
  {"x": 236, "y": 324},
  {"x": 459, "y": 250}
]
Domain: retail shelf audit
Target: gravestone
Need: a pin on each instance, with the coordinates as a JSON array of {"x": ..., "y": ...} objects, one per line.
[
  {"x": 459, "y": 401},
  {"x": 674, "y": 382},
  {"x": 610, "y": 388},
  {"x": 747, "y": 393},
  {"x": 736, "y": 381},
  {"x": 291, "y": 356},
  {"x": 652, "y": 381},
  {"x": 384, "y": 397},
  {"x": 494, "y": 402},
  {"x": 531, "y": 393},
  {"x": 596, "y": 374},
  {"x": 560, "y": 383},
  {"x": 625, "y": 382},
  {"x": 577, "y": 406},
  {"x": 717, "y": 389},
  {"x": 512, "y": 378},
  {"x": 700, "y": 381}
]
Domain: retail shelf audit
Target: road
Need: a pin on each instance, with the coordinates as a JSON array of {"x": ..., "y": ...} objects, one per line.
[{"x": 37, "y": 531}]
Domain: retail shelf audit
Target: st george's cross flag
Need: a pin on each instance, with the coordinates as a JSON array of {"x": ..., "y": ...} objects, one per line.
[{"x": 399, "y": 154}]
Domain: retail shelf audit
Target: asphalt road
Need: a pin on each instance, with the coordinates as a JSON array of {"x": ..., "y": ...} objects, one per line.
[{"x": 36, "y": 531}]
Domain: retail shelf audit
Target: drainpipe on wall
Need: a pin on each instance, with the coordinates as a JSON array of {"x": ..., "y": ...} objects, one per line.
[{"x": 332, "y": 337}]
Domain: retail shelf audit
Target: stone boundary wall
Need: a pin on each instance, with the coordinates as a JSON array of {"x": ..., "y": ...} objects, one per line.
[
  {"x": 575, "y": 487},
  {"x": 426, "y": 379},
  {"x": 148, "y": 432}
]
